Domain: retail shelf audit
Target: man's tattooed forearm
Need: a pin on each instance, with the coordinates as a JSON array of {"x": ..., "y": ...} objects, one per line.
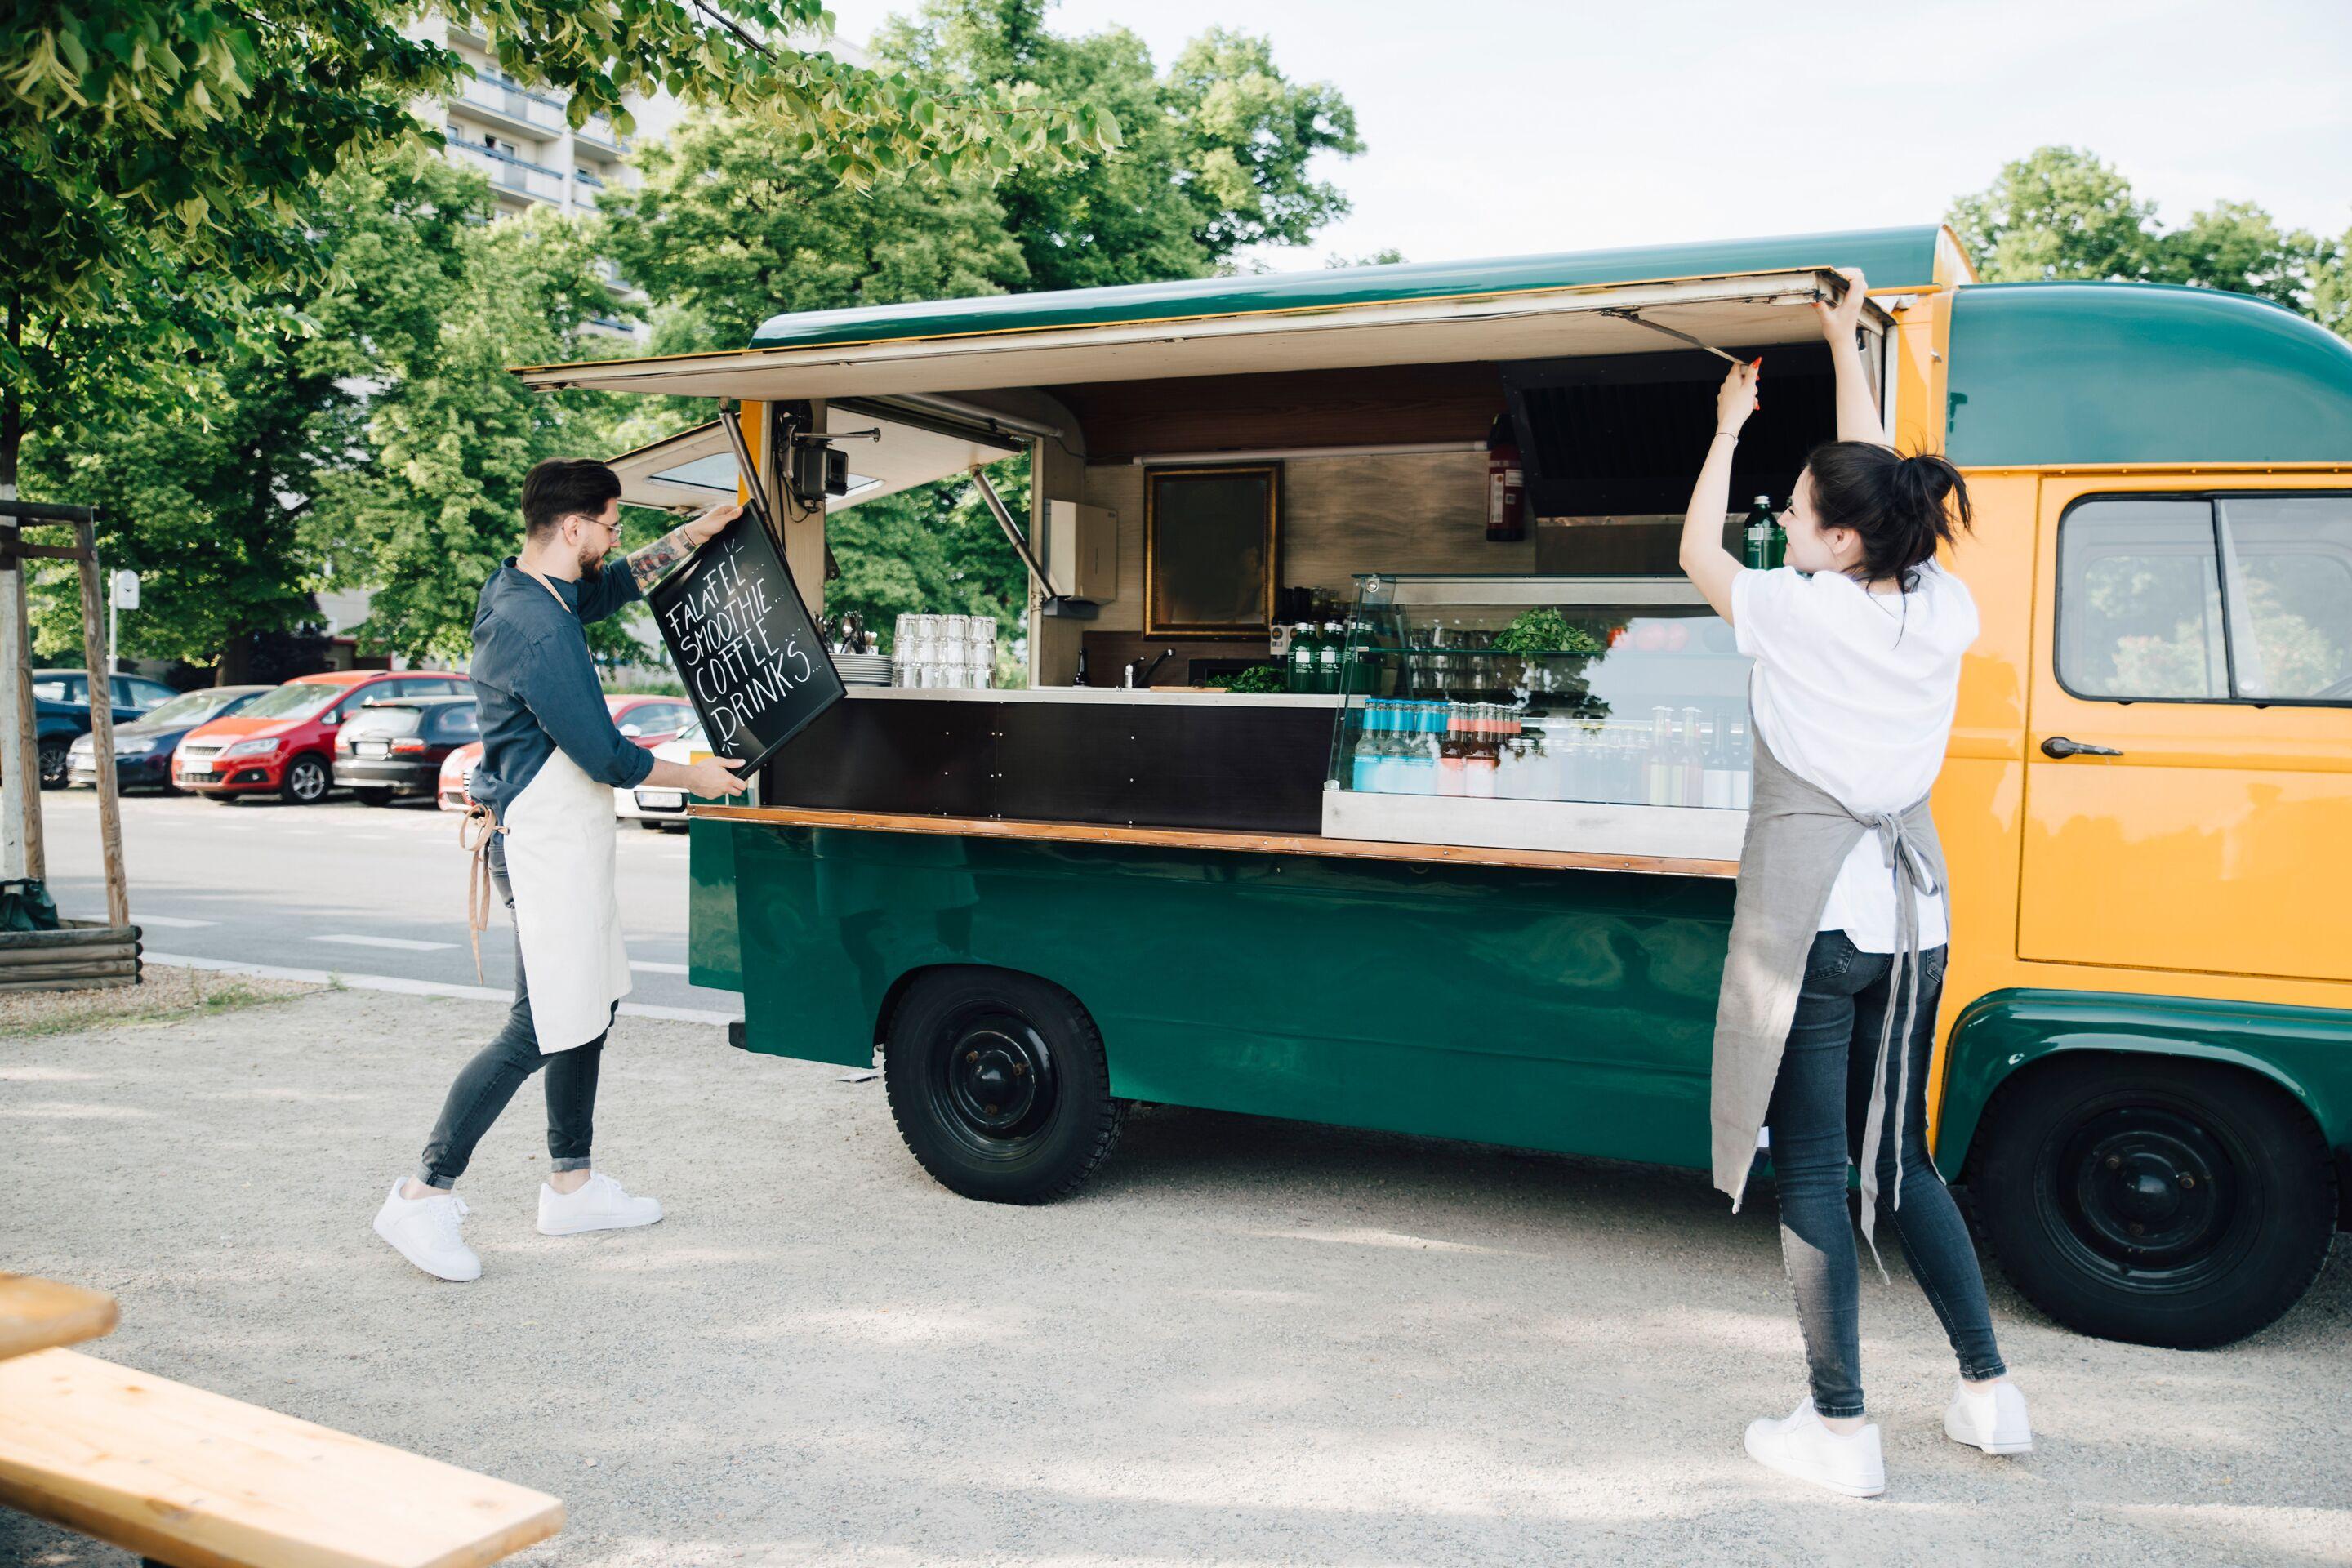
[{"x": 651, "y": 563}]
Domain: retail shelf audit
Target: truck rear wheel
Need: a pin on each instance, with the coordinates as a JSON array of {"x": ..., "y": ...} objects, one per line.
[
  {"x": 2154, "y": 1200},
  {"x": 999, "y": 1084}
]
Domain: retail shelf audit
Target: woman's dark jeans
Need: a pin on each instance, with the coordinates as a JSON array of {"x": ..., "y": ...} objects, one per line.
[
  {"x": 485, "y": 1084},
  {"x": 1818, "y": 1105}
]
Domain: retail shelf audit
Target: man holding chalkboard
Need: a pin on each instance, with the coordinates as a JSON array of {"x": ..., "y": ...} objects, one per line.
[{"x": 542, "y": 835}]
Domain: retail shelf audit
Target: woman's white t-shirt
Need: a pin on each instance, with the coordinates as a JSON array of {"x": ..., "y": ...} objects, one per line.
[{"x": 1855, "y": 693}]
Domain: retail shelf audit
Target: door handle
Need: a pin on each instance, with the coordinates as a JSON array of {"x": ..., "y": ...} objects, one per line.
[{"x": 2059, "y": 746}]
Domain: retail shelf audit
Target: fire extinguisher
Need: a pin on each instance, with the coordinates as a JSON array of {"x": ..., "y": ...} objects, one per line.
[{"x": 1506, "y": 486}]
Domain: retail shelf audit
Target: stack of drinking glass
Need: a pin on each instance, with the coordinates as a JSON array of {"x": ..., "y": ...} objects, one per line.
[{"x": 935, "y": 652}]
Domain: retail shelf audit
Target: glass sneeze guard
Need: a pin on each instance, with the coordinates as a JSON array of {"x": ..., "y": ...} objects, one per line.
[{"x": 1604, "y": 714}]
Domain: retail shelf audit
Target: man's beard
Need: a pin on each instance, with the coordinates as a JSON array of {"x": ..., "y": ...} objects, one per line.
[{"x": 592, "y": 563}]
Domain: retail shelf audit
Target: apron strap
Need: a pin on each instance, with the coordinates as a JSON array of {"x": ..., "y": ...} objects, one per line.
[
  {"x": 475, "y": 830},
  {"x": 1907, "y": 866}
]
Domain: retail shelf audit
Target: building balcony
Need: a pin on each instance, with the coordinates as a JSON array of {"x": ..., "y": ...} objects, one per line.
[
  {"x": 491, "y": 93},
  {"x": 508, "y": 173},
  {"x": 596, "y": 131}
]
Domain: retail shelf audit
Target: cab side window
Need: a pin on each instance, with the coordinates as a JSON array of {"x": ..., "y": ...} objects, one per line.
[
  {"x": 2209, "y": 598},
  {"x": 2291, "y": 592}
]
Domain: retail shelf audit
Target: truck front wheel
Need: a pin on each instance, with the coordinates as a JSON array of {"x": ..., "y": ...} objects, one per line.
[
  {"x": 999, "y": 1084},
  {"x": 2154, "y": 1200}
]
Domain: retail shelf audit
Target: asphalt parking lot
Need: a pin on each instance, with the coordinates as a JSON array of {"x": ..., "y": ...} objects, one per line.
[
  {"x": 1248, "y": 1342},
  {"x": 346, "y": 888}
]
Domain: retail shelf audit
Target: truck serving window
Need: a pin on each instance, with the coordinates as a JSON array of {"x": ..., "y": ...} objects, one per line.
[{"x": 2244, "y": 598}]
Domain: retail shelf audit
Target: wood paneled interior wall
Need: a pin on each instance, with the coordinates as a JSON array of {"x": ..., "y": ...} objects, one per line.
[
  {"x": 1415, "y": 511},
  {"x": 1384, "y": 405}
]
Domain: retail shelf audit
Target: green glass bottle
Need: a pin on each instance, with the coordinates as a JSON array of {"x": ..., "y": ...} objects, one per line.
[{"x": 1756, "y": 538}]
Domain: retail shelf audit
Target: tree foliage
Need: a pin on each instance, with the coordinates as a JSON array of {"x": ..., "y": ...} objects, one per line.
[
  {"x": 212, "y": 481},
  {"x": 2061, "y": 213},
  {"x": 161, "y": 161},
  {"x": 1217, "y": 153}
]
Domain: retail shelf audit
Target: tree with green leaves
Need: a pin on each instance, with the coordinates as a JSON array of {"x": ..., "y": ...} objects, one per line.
[
  {"x": 2061, "y": 213},
  {"x": 216, "y": 491},
  {"x": 159, "y": 159},
  {"x": 1217, "y": 153},
  {"x": 725, "y": 234}
]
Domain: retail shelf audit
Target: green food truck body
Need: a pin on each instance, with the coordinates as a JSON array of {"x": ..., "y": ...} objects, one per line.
[{"x": 1482, "y": 890}]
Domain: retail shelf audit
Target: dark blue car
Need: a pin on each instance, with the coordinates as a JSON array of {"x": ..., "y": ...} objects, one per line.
[
  {"x": 144, "y": 748},
  {"x": 61, "y": 713}
]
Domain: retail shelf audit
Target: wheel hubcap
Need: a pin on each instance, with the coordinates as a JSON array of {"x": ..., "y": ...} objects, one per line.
[
  {"x": 2150, "y": 1193},
  {"x": 995, "y": 1086},
  {"x": 310, "y": 782}
]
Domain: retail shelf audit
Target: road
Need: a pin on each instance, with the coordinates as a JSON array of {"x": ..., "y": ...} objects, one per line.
[{"x": 349, "y": 888}]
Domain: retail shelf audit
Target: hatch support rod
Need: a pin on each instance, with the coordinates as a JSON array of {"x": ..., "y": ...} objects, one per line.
[
  {"x": 1004, "y": 520},
  {"x": 1636, "y": 318},
  {"x": 1053, "y": 604}
]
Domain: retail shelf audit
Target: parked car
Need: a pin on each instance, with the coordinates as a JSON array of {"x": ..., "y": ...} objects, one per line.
[
  {"x": 282, "y": 742},
  {"x": 660, "y": 808},
  {"x": 395, "y": 747},
  {"x": 144, "y": 748},
  {"x": 61, "y": 713},
  {"x": 646, "y": 719}
]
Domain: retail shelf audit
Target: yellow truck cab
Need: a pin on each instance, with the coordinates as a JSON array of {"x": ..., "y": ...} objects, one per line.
[{"x": 1043, "y": 905}]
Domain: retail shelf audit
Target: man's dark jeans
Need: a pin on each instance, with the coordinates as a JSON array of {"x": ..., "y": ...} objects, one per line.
[
  {"x": 486, "y": 1084},
  {"x": 1818, "y": 1101}
]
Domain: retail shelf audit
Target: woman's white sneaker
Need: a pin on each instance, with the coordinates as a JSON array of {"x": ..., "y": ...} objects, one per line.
[
  {"x": 1991, "y": 1417},
  {"x": 428, "y": 1232},
  {"x": 600, "y": 1203},
  {"x": 1801, "y": 1447}
]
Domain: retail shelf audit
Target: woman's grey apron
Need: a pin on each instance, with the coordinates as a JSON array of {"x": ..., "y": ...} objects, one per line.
[{"x": 1799, "y": 836}]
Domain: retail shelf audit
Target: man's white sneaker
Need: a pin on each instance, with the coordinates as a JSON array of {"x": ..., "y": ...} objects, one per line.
[
  {"x": 426, "y": 1231},
  {"x": 598, "y": 1203},
  {"x": 1801, "y": 1447},
  {"x": 1991, "y": 1418}
]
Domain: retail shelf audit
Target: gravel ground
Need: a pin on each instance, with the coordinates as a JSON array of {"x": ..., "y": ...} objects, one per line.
[{"x": 1249, "y": 1342}]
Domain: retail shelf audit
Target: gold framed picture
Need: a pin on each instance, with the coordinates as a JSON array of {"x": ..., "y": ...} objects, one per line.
[{"x": 1211, "y": 536}]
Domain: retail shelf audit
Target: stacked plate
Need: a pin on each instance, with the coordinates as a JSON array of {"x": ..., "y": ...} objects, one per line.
[{"x": 862, "y": 668}]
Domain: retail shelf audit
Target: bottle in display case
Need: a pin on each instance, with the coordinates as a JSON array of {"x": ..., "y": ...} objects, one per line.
[{"x": 1580, "y": 713}]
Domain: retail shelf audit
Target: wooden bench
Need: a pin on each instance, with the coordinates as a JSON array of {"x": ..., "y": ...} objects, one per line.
[
  {"x": 191, "y": 1480},
  {"x": 35, "y": 1314}
]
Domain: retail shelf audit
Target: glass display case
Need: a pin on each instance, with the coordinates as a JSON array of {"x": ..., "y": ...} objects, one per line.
[{"x": 1605, "y": 714}]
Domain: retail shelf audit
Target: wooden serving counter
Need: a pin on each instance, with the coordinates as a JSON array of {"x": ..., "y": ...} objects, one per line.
[{"x": 1239, "y": 842}]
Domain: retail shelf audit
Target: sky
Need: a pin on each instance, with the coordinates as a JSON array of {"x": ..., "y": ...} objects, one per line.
[{"x": 1512, "y": 128}]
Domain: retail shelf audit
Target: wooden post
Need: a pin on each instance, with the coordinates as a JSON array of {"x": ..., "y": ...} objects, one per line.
[
  {"x": 20, "y": 766},
  {"x": 101, "y": 727}
]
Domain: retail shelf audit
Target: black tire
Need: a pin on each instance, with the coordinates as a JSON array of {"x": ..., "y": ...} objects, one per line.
[
  {"x": 999, "y": 1084},
  {"x": 307, "y": 781},
  {"x": 374, "y": 796},
  {"x": 54, "y": 760},
  {"x": 2153, "y": 1200}
]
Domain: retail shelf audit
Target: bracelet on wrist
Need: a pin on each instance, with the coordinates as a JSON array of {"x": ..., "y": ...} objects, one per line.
[{"x": 1733, "y": 433}]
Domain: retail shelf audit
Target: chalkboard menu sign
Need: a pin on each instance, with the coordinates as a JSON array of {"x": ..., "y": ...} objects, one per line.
[{"x": 753, "y": 664}]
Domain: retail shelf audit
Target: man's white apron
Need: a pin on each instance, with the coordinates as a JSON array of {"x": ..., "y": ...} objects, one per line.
[{"x": 559, "y": 855}]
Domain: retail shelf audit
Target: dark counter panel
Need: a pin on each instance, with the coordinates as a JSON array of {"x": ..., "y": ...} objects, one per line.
[{"x": 1245, "y": 768}]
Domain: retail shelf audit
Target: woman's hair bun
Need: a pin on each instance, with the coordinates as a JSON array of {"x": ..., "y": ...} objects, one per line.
[{"x": 1903, "y": 507}]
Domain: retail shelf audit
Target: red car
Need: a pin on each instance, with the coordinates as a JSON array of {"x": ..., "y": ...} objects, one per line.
[
  {"x": 646, "y": 719},
  {"x": 283, "y": 742}
]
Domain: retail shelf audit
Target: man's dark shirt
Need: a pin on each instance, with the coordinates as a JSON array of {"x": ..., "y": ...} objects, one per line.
[{"x": 536, "y": 685}]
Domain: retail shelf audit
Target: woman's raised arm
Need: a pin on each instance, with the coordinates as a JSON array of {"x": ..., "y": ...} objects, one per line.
[
  {"x": 1710, "y": 566},
  {"x": 1857, "y": 414}
]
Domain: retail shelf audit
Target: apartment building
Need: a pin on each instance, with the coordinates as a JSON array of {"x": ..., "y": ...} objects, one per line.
[{"x": 520, "y": 138}]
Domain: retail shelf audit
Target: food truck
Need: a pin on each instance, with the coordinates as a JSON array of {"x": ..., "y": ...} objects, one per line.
[{"x": 1480, "y": 887}]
